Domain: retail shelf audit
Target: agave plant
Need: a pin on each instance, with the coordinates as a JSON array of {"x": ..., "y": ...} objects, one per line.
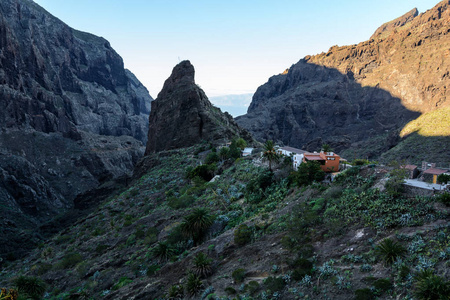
[
  {"x": 202, "y": 265},
  {"x": 162, "y": 251},
  {"x": 193, "y": 284},
  {"x": 196, "y": 224},
  {"x": 33, "y": 287},
  {"x": 388, "y": 250}
]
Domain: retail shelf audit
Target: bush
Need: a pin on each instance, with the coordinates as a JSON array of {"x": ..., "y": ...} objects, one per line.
[
  {"x": 33, "y": 287},
  {"x": 193, "y": 284},
  {"x": 205, "y": 172},
  {"x": 443, "y": 178},
  {"x": 274, "y": 284},
  {"x": 230, "y": 290},
  {"x": 163, "y": 251},
  {"x": 308, "y": 172},
  {"x": 364, "y": 294},
  {"x": 175, "y": 292},
  {"x": 123, "y": 281},
  {"x": 242, "y": 235},
  {"x": 202, "y": 265},
  {"x": 180, "y": 202},
  {"x": 212, "y": 157},
  {"x": 302, "y": 267},
  {"x": 238, "y": 275},
  {"x": 151, "y": 270},
  {"x": 382, "y": 284},
  {"x": 70, "y": 260},
  {"x": 389, "y": 250},
  {"x": 432, "y": 287},
  {"x": 444, "y": 198}
]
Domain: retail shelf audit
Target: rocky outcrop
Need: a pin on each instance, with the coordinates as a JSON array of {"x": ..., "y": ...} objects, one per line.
[
  {"x": 182, "y": 115},
  {"x": 71, "y": 117},
  {"x": 388, "y": 27},
  {"x": 353, "y": 93}
]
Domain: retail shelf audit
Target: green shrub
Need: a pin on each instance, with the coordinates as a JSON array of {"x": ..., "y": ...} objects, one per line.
[
  {"x": 307, "y": 173},
  {"x": 70, "y": 260},
  {"x": 202, "y": 265},
  {"x": 152, "y": 269},
  {"x": 230, "y": 290},
  {"x": 163, "y": 251},
  {"x": 242, "y": 235},
  {"x": 212, "y": 157},
  {"x": 175, "y": 292},
  {"x": 364, "y": 294},
  {"x": 193, "y": 285},
  {"x": 444, "y": 198},
  {"x": 360, "y": 162},
  {"x": 252, "y": 287},
  {"x": 100, "y": 249},
  {"x": 44, "y": 268},
  {"x": 443, "y": 178},
  {"x": 196, "y": 224},
  {"x": 389, "y": 250},
  {"x": 123, "y": 281},
  {"x": 238, "y": 275},
  {"x": 33, "y": 287},
  {"x": 274, "y": 284},
  {"x": 432, "y": 287},
  {"x": 302, "y": 267},
  {"x": 206, "y": 172},
  {"x": 382, "y": 284},
  {"x": 180, "y": 202}
]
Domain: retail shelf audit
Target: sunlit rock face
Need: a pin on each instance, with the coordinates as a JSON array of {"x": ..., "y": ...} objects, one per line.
[{"x": 354, "y": 93}]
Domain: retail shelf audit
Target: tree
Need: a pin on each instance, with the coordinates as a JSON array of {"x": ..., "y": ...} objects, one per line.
[
  {"x": 196, "y": 224},
  {"x": 443, "y": 178},
  {"x": 308, "y": 172},
  {"x": 270, "y": 154},
  {"x": 241, "y": 143},
  {"x": 326, "y": 148}
]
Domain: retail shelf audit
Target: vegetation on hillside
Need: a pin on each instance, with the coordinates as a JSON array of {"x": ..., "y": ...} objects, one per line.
[{"x": 254, "y": 233}]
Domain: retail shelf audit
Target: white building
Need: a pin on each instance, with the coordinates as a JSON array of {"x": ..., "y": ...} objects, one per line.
[{"x": 296, "y": 154}]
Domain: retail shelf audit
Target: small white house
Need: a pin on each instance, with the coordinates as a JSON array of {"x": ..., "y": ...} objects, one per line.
[
  {"x": 296, "y": 154},
  {"x": 247, "y": 151}
]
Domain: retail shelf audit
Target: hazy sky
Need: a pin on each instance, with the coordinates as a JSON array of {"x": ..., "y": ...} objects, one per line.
[{"x": 234, "y": 45}]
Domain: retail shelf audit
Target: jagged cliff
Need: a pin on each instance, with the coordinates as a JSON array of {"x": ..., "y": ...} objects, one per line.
[
  {"x": 71, "y": 117},
  {"x": 182, "y": 115},
  {"x": 357, "y": 92}
]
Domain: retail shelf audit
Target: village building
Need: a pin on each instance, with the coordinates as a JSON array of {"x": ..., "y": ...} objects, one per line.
[
  {"x": 329, "y": 161},
  {"x": 294, "y": 153},
  {"x": 431, "y": 175},
  {"x": 247, "y": 151},
  {"x": 413, "y": 171}
]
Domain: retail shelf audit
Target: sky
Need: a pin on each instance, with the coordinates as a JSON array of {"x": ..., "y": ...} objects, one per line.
[{"x": 234, "y": 45}]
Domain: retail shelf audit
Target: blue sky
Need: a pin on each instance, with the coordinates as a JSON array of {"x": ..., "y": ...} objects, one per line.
[{"x": 235, "y": 46}]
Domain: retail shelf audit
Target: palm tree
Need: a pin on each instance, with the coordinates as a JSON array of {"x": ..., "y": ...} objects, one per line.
[
  {"x": 326, "y": 148},
  {"x": 196, "y": 224},
  {"x": 270, "y": 154}
]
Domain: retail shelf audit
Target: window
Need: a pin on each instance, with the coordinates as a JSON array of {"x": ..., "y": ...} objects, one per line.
[{"x": 330, "y": 158}]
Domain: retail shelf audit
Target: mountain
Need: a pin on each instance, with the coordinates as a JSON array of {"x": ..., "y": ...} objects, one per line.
[
  {"x": 71, "y": 118},
  {"x": 182, "y": 115},
  {"x": 354, "y": 96}
]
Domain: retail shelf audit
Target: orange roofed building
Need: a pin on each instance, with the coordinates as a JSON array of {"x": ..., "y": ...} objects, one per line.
[{"x": 329, "y": 161}]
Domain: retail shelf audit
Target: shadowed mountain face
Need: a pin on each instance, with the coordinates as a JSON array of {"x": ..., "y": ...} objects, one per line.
[
  {"x": 71, "y": 117},
  {"x": 353, "y": 93},
  {"x": 182, "y": 115}
]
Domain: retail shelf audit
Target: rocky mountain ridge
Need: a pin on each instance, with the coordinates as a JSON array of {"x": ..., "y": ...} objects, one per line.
[
  {"x": 71, "y": 118},
  {"x": 182, "y": 115},
  {"x": 356, "y": 92}
]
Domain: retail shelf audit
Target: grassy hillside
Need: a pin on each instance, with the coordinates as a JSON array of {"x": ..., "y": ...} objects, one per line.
[{"x": 251, "y": 234}]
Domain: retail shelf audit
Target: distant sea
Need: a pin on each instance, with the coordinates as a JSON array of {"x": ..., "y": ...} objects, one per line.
[{"x": 235, "y": 105}]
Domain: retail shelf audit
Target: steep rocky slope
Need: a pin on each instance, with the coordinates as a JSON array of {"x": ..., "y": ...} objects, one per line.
[
  {"x": 71, "y": 117},
  {"x": 353, "y": 93},
  {"x": 182, "y": 115}
]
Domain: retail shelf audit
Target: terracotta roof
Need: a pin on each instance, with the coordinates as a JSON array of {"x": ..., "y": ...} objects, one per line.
[
  {"x": 294, "y": 150},
  {"x": 313, "y": 156},
  {"x": 434, "y": 171}
]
